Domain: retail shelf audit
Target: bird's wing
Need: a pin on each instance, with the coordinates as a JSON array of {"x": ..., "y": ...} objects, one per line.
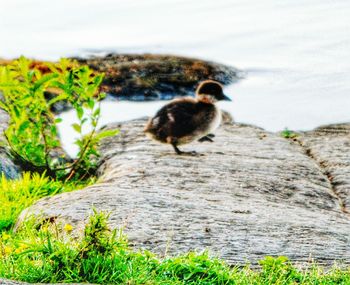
[{"x": 177, "y": 118}]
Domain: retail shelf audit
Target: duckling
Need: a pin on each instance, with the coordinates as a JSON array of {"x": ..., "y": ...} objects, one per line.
[{"x": 188, "y": 119}]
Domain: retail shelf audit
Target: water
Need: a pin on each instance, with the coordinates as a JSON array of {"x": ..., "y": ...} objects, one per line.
[{"x": 296, "y": 53}]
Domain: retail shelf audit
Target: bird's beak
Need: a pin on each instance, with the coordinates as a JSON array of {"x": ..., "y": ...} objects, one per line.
[{"x": 226, "y": 98}]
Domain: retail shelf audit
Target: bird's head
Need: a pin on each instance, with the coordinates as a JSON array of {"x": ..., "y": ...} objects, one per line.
[{"x": 210, "y": 91}]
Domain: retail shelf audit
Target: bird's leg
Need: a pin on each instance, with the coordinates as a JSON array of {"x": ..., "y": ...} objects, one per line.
[
  {"x": 173, "y": 141},
  {"x": 177, "y": 149},
  {"x": 179, "y": 152}
]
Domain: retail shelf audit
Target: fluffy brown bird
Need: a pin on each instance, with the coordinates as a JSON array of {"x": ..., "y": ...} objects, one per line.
[{"x": 188, "y": 119}]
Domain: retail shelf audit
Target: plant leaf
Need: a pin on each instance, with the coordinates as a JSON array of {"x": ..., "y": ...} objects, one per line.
[
  {"x": 76, "y": 127},
  {"x": 107, "y": 133}
]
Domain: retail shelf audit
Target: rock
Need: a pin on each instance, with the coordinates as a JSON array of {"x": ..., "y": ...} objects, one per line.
[
  {"x": 329, "y": 146},
  {"x": 7, "y": 166},
  {"x": 142, "y": 77},
  {"x": 10, "y": 282},
  {"x": 148, "y": 77},
  {"x": 251, "y": 194},
  {"x": 3, "y": 120}
]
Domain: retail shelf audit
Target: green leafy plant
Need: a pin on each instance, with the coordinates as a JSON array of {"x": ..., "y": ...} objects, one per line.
[
  {"x": 277, "y": 269},
  {"x": 16, "y": 195},
  {"x": 49, "y": 252},
  {"x": 30, "y": 94},
  {"x": 288, "y": 134}
]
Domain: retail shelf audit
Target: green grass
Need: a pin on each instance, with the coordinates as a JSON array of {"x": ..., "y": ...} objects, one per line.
[
  {"x": 48, "y": 252},
  {"x": 16, "y": 195}
]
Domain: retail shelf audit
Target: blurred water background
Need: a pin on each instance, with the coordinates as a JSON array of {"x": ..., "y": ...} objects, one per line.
[{"x": 295, "y": 53}]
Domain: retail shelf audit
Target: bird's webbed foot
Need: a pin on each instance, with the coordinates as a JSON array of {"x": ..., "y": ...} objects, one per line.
[
  {"x": 207, "y": 138},
  {"x": 179, "y": 152}
]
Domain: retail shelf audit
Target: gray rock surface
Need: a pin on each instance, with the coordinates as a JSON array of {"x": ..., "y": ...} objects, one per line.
[
  {"x": 252, "y": 193},
  {"x": 7, "y": 167},
  {"x": 9, "y": 282},
  {"x": 329, "y": 146}
]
